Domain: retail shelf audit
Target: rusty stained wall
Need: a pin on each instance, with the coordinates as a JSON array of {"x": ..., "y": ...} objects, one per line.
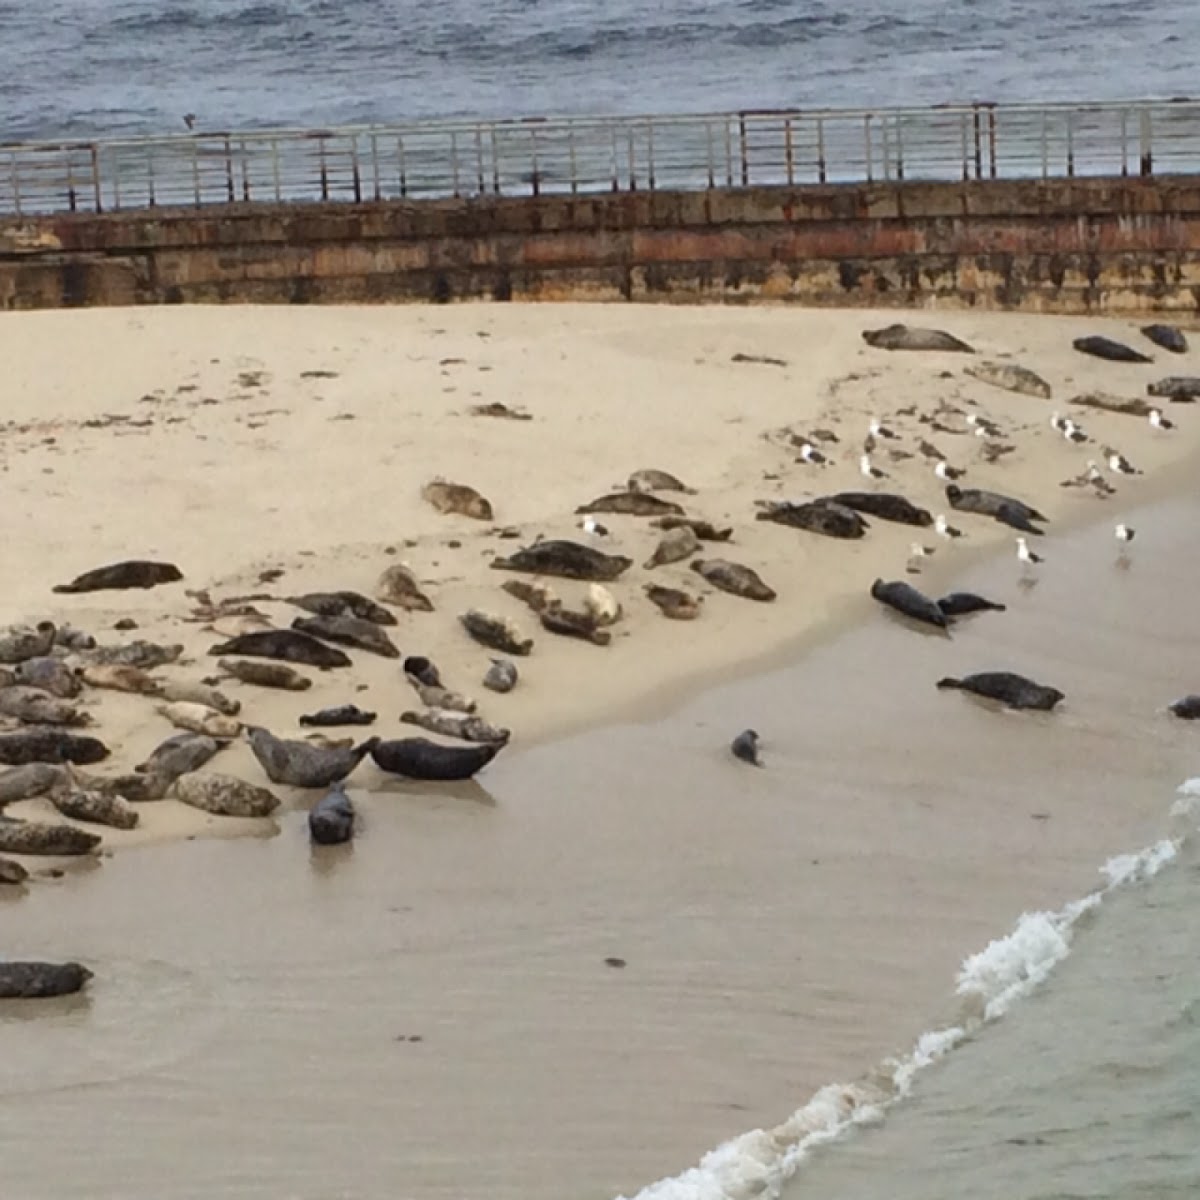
[{"x": 1066, "y": 246}]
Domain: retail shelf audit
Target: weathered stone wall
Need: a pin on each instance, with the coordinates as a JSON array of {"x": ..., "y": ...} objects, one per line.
[{"x": 1066, "y": 245}]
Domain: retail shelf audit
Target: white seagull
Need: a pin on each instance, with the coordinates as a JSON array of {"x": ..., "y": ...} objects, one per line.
[
  {"x": 1158, "y": 421},
  {"x": 982, "y": 426},
  {"x": 1073, "y": 433},
  {"x": 943, "y": 470},
  {"x": 591, "y": 526},
  {"x": 1118, "y": 463},
  {"x": 810, "y": 454},
  {"x": 1125, "y": 535},
  {"x": 1027, "y": 556},
  {"x": 878, "y": 429},
  {"x": 944, "y": 528},
  {"x": 871, "y": 472}
]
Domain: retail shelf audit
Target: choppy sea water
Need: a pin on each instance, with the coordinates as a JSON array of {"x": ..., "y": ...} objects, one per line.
[{"x": 86, "y": 68}]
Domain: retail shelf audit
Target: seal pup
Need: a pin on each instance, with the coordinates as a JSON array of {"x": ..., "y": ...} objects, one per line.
[
  {"x": 906, "y": 600},
  {"x": 650, "y": 479},
  {"x": 343, "y": 604},
  {"x": 180, "y": 754},
  {"x": 440, "y": 697},
  {"x": 633, "y": 504},
  {"x": 459, "y": 498},
  {"x": 33, "y": 779},
  {"x": 601, "y": 605},
  {"x": 501, "y": 676},
  {"x": 50, "y": 746},
  {"x": 496, "y": 633},
  {"x": 1187, "y": 709},
  {"x": 331, "y": 819},
  {"x": 20, "y": 642},
  {"x": 49, "y": 674},
  {"x": 226, "y": 795},
  {"x": 568, "y": 623},
  {"x": 706, "y": 531},
  {"x": 265, "y": 674},
  {"x": 538, "y": 596},
  {"x": 35, "y": 707},
  {"x": 1158, "y": 421},
  {"x": 911, "y": 337},
  {"x": 566, "y": 559},
  {"x": 96, "y": 807},
  {"x": 41, "y": 838},
  {"x": 674, "y": 546},
  {"x": 343, "y": 714},
  {"x": 959, "y": 604},
  {"x": 452, "y": 724},
  {"x": 734, "y": 578},
  {"x": 824, "y": 516},
  {"x": 199, "y": 718},
  {"x": 288, "y": 645},
  {"x": 745, "y": 747},
  {"x": 1118, "y": 464},
  {"x": 419, "y": 758},
  {"x": 943, "y": 470},
  {"x": 868, "y": 469},
  {"x": 349, "y": 631},
  {"x": 398, "y": 585},
  {"x": 1015, "y": 691},
  {"x": 674, "y": 603},
  {"x": 139, "y": 653},
  {"x": 1166, "y": 337},
  {"x": 418, "y": 667},
  {"x": 133, "y": 573},
  {"x": 40, "y": 980},
  {"x": 943, "y": 528},
  {"x": 199, "y": 693},
  {"x": 300, "y": 764}
]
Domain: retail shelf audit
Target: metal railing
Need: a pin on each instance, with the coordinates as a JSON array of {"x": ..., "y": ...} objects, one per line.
[{"x": 576, "y": 155}]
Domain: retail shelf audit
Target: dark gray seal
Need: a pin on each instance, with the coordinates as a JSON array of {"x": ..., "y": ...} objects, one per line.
[
  {"x": 909, "y": 602},
  {"x": 501, "y": 676},
  {"x": 1187, "y": 709},
  {"x": 134, "y": 573},
  {"x": 50, "y": 746},
  {"x": 1166, "y": 337},
  {"x": 959, "y": 604},
  {"x": 50, "y": 675},
  {"x": 1181, "y": 389},
  {"x": 301, "y": 764},
  {"x": 344, "y": 604},
  {"x": 420, "y": 758},
  {"x": 288, "y": 645},
  {"x": 37, "y": 837},
  {"x": 39, "y": 980},
  {"x": 568, "y": 560},
  {"x": 911, "y": 337},
  {"x": 1005, "y": 509},
  {"x": 632, "y": 504},
  {"x": 734, "y": 578},
  {"x": 886, "y": 506},
  {"x": 179, "y": 755},
  {"x": 745, "y": 747},
  {"x": 1107, "y": 348},
  {"x": 33, "y": 779},
  {"x": 1009, "y": 689},
  {"x": 12, "y": 873},
  {"x": 343, "y": 714},
  {"x": 423, "y": 670},
  {"x": 139, "y": 653},
  {"x": 349, "y": 631},
  {"x": 331, "y": 819},
  {"x": 825, "y": 517}
]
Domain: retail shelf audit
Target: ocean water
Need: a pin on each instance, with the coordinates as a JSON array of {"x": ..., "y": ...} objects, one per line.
[{"x": 99, "y": 68}]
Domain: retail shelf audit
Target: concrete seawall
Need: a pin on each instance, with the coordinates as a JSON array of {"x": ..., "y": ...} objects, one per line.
[{"x": 1122, "y": 244}]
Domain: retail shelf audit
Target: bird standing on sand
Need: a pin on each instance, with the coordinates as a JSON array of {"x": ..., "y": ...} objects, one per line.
[
  {"x": 943, "y": 528},
  {"x": 745, "y": 747},
  {"x": 1118, "y": 463},
  {"x": 1027, "y": 556},
  {"x": 810, "y": 454},
  {"x": 1073, "y": 433},
  {"x": 982, "y": 426},
  {"x": 943, "y": 470},
  {"x": 1124, "y": 535},
  {"x": 878, "y": 429},
  {"x": 867, "y": 469},
  {"x": 593, "y": 528},
  {"x": 1158, "y": 421}
]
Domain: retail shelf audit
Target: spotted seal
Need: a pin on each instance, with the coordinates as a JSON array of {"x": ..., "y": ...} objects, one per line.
[
  {"x": 300, "y": 764},
  {"x": 496, "y": 633},
  {"x": 734, "y": 578},
  {"x": 265, "y": 674},
  {"x": 226, "y": 795},
  {"x": 344, "y": 604},
  {"x": 1015, "y": 691},
  {"x": 631, "y": 504},
  {"x": 50, "y": 746},
  {"x": 41, "y": 980},
  {"x": 96, "y": 808},
  {"x": 459, "y": 725},
  {"x": 40, "y": 838}
]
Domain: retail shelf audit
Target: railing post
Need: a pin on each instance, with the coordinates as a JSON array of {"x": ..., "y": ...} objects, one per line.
[
  {"x": 97, "y": 186},
  {"x": 1045, "y": 146},
  {"x": 355, "y": 170},
  {"x": 495, "y": 162},
  {"x": 571, "y": 155},
  {"x": 728, "y": 155},
  {"x": 616, "y": 160},
  {"x": 71, "y": 203},
  {"x": 822, "y": 170},
  {"x": 376, "y": 180},
  {"x": 1146, "y": 158},
  {"x": 978, "y": 142},
  {"x": 1070, "y": 144},
  {"x": 16, "y": 182},
  {"x": 885, "y": 147},
  {"x": 400, "y": 166},
  {"x": 789, "y": 154},
  {"x": 115, "y": 159},
  {"x": 276, "y": 181},
  {"x": 966, "y": 154},
  {"x": 899, "y": 150},
  {"x": 992, "y": 140},
  {"x": 743, "y": 150},
  {"x": 479, "y": 159},
  {"x": 1124, "y": 143},
  {"x": 150, "y": 175},
  {"x": 535, "y": 179},
  {"x": 867, "y": 146},
  {"x": 650, "y": 154},
  {"x": 323, "y": 167},
  {"x": 229, "y": 192},
  {"x": 632, "y": 158},
  {"x": 245, "y": 163},
  {"x": 454, "y": 164},
  {"x": 196, "y": 172}
]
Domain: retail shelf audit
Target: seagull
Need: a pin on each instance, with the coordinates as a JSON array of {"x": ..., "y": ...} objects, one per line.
[
  {"x": 1125, "y": 535},
  {"x": 810, "y": 454},
  {"x": 1057, "y": 423},
  {"x": 592, "y": 526},
  {"x": 1027, "y": 556},
  {"x": 944, "y": 528},
  {"x": 1096, "y": 478},
  {"x": 1073, "y": 433},
  {"x": 916, "y": 552},
  {"x": 982, "y": 426},
  {"x": 1118, "y": 463},
  {"x": 869, "y": 443},
  {"x": 1158, "y": 421},
  {"x": 871, "y": 472},
  {"x": 929, "y": 449},
  {"x": 943, "y": 470},
  {"x": 878, "y": 429}
]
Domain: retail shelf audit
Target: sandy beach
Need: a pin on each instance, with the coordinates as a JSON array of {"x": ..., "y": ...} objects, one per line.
[{"x": 782, "y": 929}]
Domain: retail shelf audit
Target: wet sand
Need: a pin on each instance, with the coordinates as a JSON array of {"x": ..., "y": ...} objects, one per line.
[{"x": 248, "y": 1032}]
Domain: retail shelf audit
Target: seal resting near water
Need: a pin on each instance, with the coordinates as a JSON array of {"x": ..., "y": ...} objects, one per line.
[
  {"x": 349, "y": 631},
  {"x": 301, "y": 764},
  {"x": 887, "y": 506},
  {"x": 453, "y": 724},
  {"x": 33, "y": 779},
  {"x": 1166, "y": 337},
  {"x": 39, "y": 980},
  {"x": 632, "y": 504},
  {"x": 745, "y": 747},
  {"x": 816, "y": 516},
  {"x": 37, "y": 837},
  {"x": 1109, "y": 349},
  {"x": 907, "y": 600},
  {"x": 134, "y": 573},
  {"x": 912, "y": 337},
  {"x": 1006, "y": 510},
  {"x": 50, "y": 746},
  {"x": 566, "y": 559},
  {"x": 225, "y": 795},
  {"x": 331, "y": 819},
  {"x": 734, "y": 578},
  {"x": 497, "y": 633},
  {"x": 97, "y": 808},
  {"x": 959, "y": 604},
  {"x": 420, "y": 758},
  {"x": 289, "y": 645},
  {"x": 1015, "y": 691},
  {"x": 343, "y": 604},
  {"x": 1187, "y": 709}
]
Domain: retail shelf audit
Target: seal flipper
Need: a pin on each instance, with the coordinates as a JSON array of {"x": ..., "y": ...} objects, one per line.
[{"x": 949, "y": 682}]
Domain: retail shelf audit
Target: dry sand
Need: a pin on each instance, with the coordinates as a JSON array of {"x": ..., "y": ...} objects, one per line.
[{"x": 232, "y": 441}]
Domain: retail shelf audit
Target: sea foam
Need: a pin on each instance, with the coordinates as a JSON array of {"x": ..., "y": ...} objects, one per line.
[{"x": 757, "y": 1164}]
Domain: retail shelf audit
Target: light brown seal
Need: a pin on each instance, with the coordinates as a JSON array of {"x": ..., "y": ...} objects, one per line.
[
  {"x": 674, "y": 603},
  {"x": 497, "y": 633},
  {"x": 265, "y": 674},
  {"x": 674, "y": 546},
  {"x": 459, "y": 498},
  {"x": 734, "y": 578},
  {"x": 650, "y": 479},
  {"x": 568, "y": 623},
  {"x": 538, "y": 596},
  {"x": 398, "y": 585},
  {"x": 632, "y": 504},
  {"x": 118, "y": 678},
  {"x": 199, "y": 718}
]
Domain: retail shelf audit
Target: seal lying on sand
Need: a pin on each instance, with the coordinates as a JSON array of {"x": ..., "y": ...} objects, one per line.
[
  {"x": 908, "y": 601},
  {"x": 885, "y": 505},
  {"x": 266, "y": 674},
  {"x": 139, "y": 653},
  {"x": 419, "y": 758},
  {"x": 674, "y": 603},
  {"x": 422, "y": 669},
  {"x": 601, "y": 605},
  {"x": 1011, "y": 378},
  {"x": 1182, "y": 389},
  {"x": 911, "y": 337},
  {"x": 459, "y": 725},
  {"x": 1004, "y": 509},
  {"x": 1167, "y": 337},
  {"x": 96, "y": 807},
  {"x": 457, "y": 498},
  {"x": 349, "y": 631},
  {"x": 733, "y": 578},
  {"x": 33, "y": 779},
  {"x": 225, "y": 795},
  {"x": 343, "y": 604},
  {"x": 50, "y": 746},
  {"x": 398, "y": 585},
  {"x": 343, "y": 714},
  {"x": 538, "y": 596},
  {"x": 497, "y": 633},
  {"x": 959, "y": 604},
  {"x": 674, "y": 546},
  {"x": 19, "y": 642},
  {"x": 51, "y": 675},
  {"x": 633, "y": 504},
  {"x": 816, "y": 516},
  {"x": 568, "y": 560},
  {"x": 501, "y": 676},
  {"x": 706, "y": 531},
  {"x": 118, "y": 678},
  {"x": 38, "y": 980},
  {"x": 35, "y": 837},
  {"x": 1187, "y": 709},
  {"x": 290, "y": 645},
  {"x": 180, "y": 754},
  {"x": 568, "y": 623},
  {"x": 199, "y": 693},
  {"x": 135, "y": 573},
  {"x": 650, "y": 479},
  {"x": 1015, "y": 691},
  {"x": 745, "y": 747},
  {"x": 300, "y": 764},
  {"x": 199, "y": 718},
  {"x": 11, "y": 872},
  {"x": 440, "y": 697},
  {"x": 331, "y": 819},
  {"x": 36, "y": 707},
  {"x": 1107, "y": 348}
]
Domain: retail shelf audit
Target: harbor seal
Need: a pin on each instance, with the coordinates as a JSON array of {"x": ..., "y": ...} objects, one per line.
[
  {"x": 568, "y": 623},
  {"x": 225, "y": 795},
  {"x": 50, "y": 746},
  {"x": 650, "y": 479},
  {"x": 138, "y": 653},
  {"x": 631, "y": 504},
  {"x": 423, "y": 670},
  {"x": 419, "y": 758},
  {"x": 1010, "y": 377},
  {"x": 180, "y": 754},
  {"x": 33, "y": 779},
  {"x": 1187, "y": 709},
  {"x": 538, "y": 596},
  {"x": 199, "y": 693},
  {"x": 458, "y": 498},
  {"x": 887, "y": 506},
  {"x": 734, "y": 578},
  {"x": 331, "y": 819},
  {"x": 440, "y": 697},
  {"x": 20, "y": 642},
  {"x": 1182, "y": 389},
  {"x": 497, "y": 633},
  {"x": 41, "y": 980},
  {"x": 909, "y": 602},
  {"x": 501, "y": 676},
  {"x": 300, "y": 764},
  {"x": 706, "y": 531},
  {"x": 134, "y": 787},
  {"x": 288, "y": 645},
  {"x": 566, "y": 559},
  {"x": 199, "y": 718},
  {"x": 349, "y": 631},
  {"x": 745, "y": 747},
  {"x": 51, "y": 675},
  {"x": 959, "y": 604},
  {"x": 35, "y": 707},
  {"x": 1166, "y": 337},
  {"x": 343, "y": 604},
  {"x": 117, "y": 678},
  {"x": 70, "y": 638},
  {"x": 1107, "y": 348},
  {"x": 911, "y": 337},
  {"x": 96, "y": 807},
  {"x": 398, "y": 585},
  {"x": 42, "y": 839},
  {"x": 601, "y": 605},
  {"x": 674, "y": 546},
  {"x": 1015, "y": 691},
  {"x": 459, "y": 725},
  {"x": 134, "y": 573},
  {"x": 828, "y": 518},
  {"x": 1005, "y": 509},
  {"x": 265, "y": 674},
  {"x": 674, "y": 603},
  {"x": 12, "y": 873},
  {"x": 343, "y": 714}
]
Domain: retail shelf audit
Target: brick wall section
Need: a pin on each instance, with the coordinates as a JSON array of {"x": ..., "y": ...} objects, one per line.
[{"x": 1082, "y": 245}]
